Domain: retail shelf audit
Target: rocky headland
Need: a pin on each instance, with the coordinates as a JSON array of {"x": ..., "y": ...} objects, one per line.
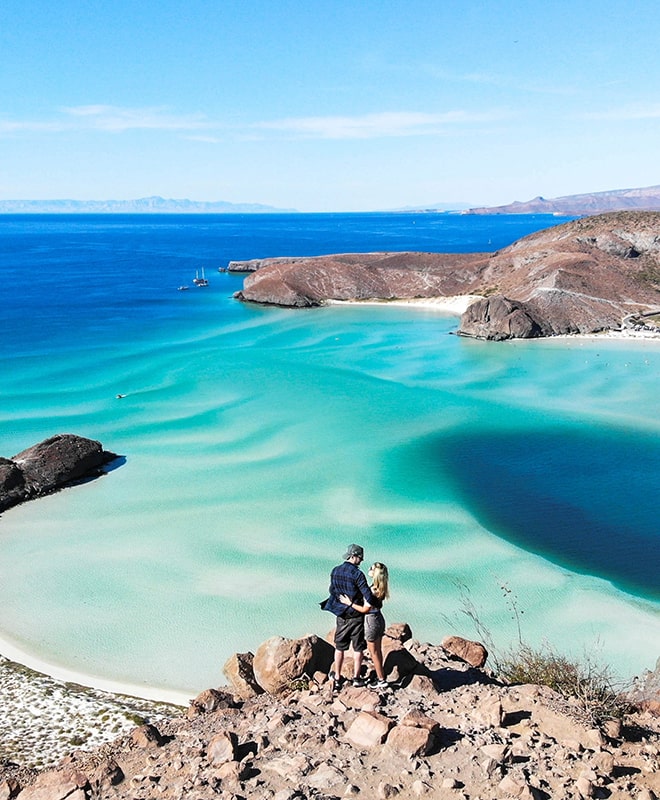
[
  {"x": 587, "y": 276},
  {"x": 575, "y": 205},
  {"x": 50, "y": 465},
  {"x": 446, "y": 727}
]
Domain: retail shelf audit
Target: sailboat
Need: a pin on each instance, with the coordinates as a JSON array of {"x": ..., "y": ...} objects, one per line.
[{"x": 200, "y": 281}]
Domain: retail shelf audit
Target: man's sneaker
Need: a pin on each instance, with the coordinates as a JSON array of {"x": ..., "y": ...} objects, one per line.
[
  {"x": 336, "y": 681},
  {"x": 359, "y": 682},
  {"x": 378, "y": 684}
]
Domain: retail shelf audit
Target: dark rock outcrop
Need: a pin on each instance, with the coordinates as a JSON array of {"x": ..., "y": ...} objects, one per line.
[
  {"x": 48, "y": 466},
  {"x": 585, "y": 276},
  {"x": 12, "y": 484},
  {"x": 499, "y": 318}
]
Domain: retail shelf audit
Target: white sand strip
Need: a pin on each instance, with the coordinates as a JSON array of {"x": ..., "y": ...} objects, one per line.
[
  {"x": 153, "y": 693},
  {"x": 456, "y": 304}
]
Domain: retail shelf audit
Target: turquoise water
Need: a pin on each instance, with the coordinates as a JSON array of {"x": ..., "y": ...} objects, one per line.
[{"x": 259, "y": 442}]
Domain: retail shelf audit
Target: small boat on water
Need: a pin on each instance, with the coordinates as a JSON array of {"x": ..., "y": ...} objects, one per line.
[
  {"x": 183, "y": 288},
  {"x": 200, "y": 281}
]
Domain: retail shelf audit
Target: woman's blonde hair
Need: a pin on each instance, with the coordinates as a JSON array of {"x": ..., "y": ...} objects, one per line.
[{"x": 381, "y": 580}]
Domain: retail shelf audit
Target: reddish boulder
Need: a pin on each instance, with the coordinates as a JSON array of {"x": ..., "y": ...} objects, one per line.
[
  {"x": 239, "y": 671},
  {"x": 400, "y": 631},
  {"x": 368, "y": 729},
  {"x": 279, "y": 662},
  {"x": 409, "y": 741},
  {"x": 398, "y": 662},
  {"x": 210, "y": 700},
  {"x": 53, "y": 785},
  {"x": 474, "y": 653},
  {"x": 146, "y": 736},
  {"x": 221, "y": 749}
]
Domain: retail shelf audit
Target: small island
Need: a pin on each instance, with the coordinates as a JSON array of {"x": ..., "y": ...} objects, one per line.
[{"x": 590, "y": 275}]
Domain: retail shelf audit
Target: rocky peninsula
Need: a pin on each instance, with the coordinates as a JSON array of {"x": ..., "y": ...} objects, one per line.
[
  {"x": 446, "y": 727},
  {"x": 50, "y": 465},
  {"x": 590, "y": 275}
]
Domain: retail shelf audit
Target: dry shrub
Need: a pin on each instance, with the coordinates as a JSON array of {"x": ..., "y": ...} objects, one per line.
[{"x": 590, "y": 686}]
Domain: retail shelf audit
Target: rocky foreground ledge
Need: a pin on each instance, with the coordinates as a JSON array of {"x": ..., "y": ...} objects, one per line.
[
  {"x": 50, "y": 465},
  {"x": 446, "y": 728},
  {"x": 590, "y": 275}
]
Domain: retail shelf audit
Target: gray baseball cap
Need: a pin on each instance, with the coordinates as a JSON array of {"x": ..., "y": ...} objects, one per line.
[{"x": 353, "y": 550}]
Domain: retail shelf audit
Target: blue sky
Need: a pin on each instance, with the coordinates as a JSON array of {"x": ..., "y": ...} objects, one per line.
[{"x": 328, "y": 105}]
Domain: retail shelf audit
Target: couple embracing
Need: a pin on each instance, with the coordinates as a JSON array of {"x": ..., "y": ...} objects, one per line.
[{"x": 360, "y": 621}]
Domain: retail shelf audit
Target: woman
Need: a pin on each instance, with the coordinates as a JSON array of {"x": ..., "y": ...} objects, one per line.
[{"x": 374, "y": 622}]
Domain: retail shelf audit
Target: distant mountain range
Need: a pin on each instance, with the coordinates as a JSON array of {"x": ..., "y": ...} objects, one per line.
[
  {"x": 145, "y": 205},
  {"x": 576, "y": 205}
]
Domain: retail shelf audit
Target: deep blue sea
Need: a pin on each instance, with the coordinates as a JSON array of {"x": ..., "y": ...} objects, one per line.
[{"x": 518, "y": 477}]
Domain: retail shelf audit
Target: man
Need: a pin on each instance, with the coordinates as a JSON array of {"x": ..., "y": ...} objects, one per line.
[{"x": 348, "y": 579}]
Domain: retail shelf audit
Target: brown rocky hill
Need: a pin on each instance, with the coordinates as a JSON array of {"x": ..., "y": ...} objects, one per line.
[
  {"x": 444, "y": 729},
  {"x": 589, "y": 275},
  {"x": 645, "y": 199}
]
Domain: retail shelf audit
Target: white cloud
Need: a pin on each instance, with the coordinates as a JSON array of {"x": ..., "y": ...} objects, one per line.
[
  {"x": 108, "y": 118},
  {"x": 372, "y": 126},
  {"x": 198, "y": 127},
  {"x": 627, "y": 113},
  {"x": 203, "y": 138},
  {"x": 118, "y": 119},
  {"x": 28, "y": 126}
]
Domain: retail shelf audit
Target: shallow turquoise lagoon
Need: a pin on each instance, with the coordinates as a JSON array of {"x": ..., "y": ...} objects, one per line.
[{"x": 259, "y": 442}]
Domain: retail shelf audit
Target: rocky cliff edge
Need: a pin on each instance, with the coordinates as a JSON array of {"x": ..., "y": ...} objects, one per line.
[
  {"x": 444, "y": 728},
  {"x": 589, "y": 275}
]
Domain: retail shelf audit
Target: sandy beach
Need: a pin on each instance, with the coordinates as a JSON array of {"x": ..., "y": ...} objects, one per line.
[
  {"x": 458, "y": 304},
  {"x": 48, "y": 710},
  {"x": 44, "y": 719}
]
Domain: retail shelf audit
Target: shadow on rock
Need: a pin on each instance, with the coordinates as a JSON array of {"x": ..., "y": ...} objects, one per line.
[{"x": 447, "y": 679}]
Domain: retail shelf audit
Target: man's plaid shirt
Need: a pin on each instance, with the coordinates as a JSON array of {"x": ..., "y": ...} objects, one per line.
[{"x": 348, "y": 579}]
